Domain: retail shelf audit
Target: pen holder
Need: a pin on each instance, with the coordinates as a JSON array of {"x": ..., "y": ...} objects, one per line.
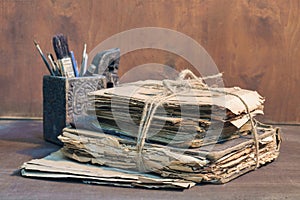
[{"x": 65, "y": 101}]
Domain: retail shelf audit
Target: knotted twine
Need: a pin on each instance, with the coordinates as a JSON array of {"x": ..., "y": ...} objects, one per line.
[{"x": 170, "y": 88}]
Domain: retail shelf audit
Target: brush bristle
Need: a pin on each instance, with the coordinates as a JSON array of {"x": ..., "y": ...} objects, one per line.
[{"x": 60, "y": 45}]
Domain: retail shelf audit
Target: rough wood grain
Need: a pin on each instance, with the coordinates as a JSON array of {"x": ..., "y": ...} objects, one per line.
[{"x": 255, "y": 43}]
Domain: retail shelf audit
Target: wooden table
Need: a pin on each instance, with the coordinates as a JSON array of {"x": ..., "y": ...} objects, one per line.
[{"x": 22, "y": 140}]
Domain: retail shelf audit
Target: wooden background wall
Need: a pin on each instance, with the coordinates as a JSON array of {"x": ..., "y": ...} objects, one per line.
[{"x": 255, "y": 43}]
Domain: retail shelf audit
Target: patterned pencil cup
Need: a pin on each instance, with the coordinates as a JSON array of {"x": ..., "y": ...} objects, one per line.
[{"x": 65, "y": 103}]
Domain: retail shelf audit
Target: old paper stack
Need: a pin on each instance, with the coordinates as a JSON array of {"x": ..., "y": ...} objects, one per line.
[
  {"x": 186, "y": 119},
  {"x": 217, "y": 163},
  {"x": 178, "y": 169},
  {"x": 165, "y": 134},
  {"x": 57, "y": 166}
]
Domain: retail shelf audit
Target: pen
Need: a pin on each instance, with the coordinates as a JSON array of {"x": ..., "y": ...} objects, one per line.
[
  {"x": 74, "y": 64},
  {"x": 83, "y": 62},
  {"x": 44, "y": 58}
]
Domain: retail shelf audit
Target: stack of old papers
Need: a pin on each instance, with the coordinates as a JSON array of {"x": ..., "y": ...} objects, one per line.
[
  {"x": 164, "y": 134},
  {"x": 57, "y": 166},
  {"x": 188, "y": 119},
  {"x": 109, "y": 160},
  {"x": 215, "y": 163}
]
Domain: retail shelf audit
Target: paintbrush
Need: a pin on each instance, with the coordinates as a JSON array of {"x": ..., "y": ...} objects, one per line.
[
  {"x": 55, "y": 68},
  {"x": 61, "y": 48},
  {"x": 43, "y": 57}
]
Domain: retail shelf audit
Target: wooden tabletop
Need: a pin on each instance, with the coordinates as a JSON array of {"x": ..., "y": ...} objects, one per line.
[{"x": 22, "y": 140}]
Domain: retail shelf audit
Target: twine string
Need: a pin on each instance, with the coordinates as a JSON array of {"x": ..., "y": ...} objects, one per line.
[{"x": 171, "y": 89}]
